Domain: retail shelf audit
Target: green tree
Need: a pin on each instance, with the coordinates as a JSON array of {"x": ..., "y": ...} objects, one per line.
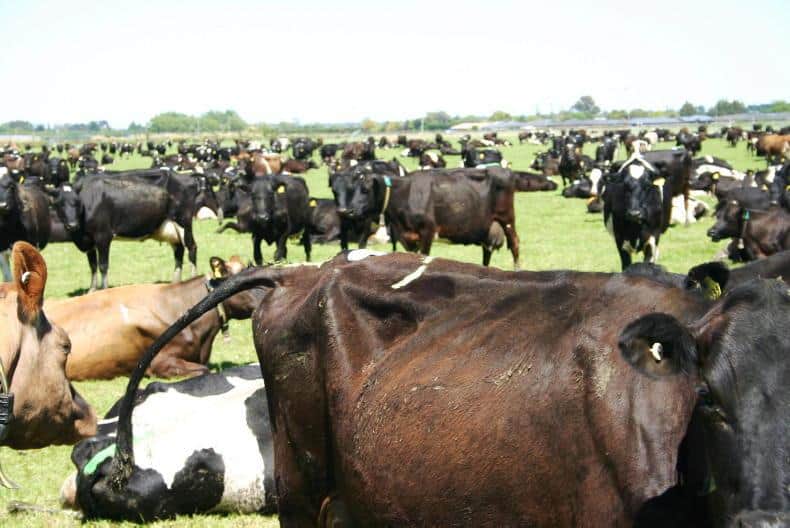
[
  {"x": 586, "y": 105},
  {"x": 724, "y": 107},
  {"x": 779, "y": 106},
  {"x": 687, "y": 109},
  {"x": 500, "y": 115},
  {"x": 436, "y": 120}
]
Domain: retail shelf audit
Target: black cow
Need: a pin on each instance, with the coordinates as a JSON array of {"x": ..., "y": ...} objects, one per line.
[
  {"x": 328, "y": 151},
  {"x": 606, "y": 152},
  {"x": 482, "y": 158},
  {"x": 303, "y": 148},
  {"x": 101, "y": 208},
  {"x": 58, "y": 171},
  {"x": 184, "y": 468},
  {"x": 279, "y": 209},
  {"x": 352, "y": 227},
  {"x": 432, "y": 160},
  {"x": 760, "y": 233},
  {"x": 24, "y": 215},
  {"x": 572, "y": 164},
  {"x": 530, "y": 181},
  {"x": 691, "y": 142}
]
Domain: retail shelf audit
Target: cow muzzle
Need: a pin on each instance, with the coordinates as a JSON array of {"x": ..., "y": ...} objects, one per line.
[
  {"x": 345, "y": 213},
  {"x": 715, "y": 234},
  {"x": 635, "y": 215}
]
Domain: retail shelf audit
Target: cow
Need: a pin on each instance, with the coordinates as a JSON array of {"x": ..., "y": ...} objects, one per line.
[
  {"x": 295, "y": 166},
  {"x": 45, "y": 409},
  {"x": 328, "y": 151},
  {"x": 359, "y": 151},
  {"x": 606, "y": 152},
  {"x": 547, "y": 163},
  {"x": 572, "y": 166},
  {"x": 776, "y": 266},
  {"x": 733, "y": 135},
  {"x": 110, "y": 329},
  {"x": 107, "y": 207},
  {"x": 774, "y": 147},
  {"x": 186, "y": 468},
  {"x": 529, "y": 182},
  {"x": 691, "y": 142},
  {"x": 761, "y": 233},
  {"x": 386, "y": 375},
  {"x": 303, "y": 148},
  {"x": 24, "y": 214},
  {"x": 464, "y": 206},
  {"x": 353, "y": 227},
  {"x": 482, "y": 158},
  {"x": 58, "y": 171},
  {"x": 279, "y": 210},
  {"x": 432, "y": 160}
]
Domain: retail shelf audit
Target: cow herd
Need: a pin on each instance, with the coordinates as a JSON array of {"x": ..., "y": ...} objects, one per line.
[{"x": 404, "y": 389}]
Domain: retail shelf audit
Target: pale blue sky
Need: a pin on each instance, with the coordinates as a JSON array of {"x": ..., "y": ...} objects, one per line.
[{"x": 345, "y": 60}]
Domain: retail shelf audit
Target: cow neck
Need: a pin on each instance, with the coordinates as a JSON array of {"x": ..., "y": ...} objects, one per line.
[{"x": 223, "y": 316}]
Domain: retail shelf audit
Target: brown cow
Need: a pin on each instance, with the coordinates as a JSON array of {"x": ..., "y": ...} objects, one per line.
[
  {"x": 405, "y": 391},
  {"x": 33, "y": 351},
  {"x": 773, "y": 146},
  {"x": 266, "y": 164},
  {"x": 110, "y": 329},
  {"x": 295, "y": 166}
]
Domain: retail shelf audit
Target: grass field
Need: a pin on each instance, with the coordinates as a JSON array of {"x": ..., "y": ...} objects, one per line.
[{"x": 555, "y": 233}]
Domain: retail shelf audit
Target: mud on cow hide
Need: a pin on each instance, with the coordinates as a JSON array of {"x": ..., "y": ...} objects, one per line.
[{"x": 200, "y": 445}]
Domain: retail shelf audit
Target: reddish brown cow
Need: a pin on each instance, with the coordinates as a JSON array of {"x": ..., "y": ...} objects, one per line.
[
  {"x": 773, "y": 146},
  {"x": 33, "y": 352},
  {"x": 110, "y": 329}
]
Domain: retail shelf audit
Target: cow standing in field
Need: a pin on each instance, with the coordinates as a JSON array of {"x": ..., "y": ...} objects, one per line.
[
  {"x": 396, "y": 387},
  {"x": 24, "y": 215}
]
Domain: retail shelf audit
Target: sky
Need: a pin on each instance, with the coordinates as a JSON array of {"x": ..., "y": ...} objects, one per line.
[{"x": 343, "y": 61}]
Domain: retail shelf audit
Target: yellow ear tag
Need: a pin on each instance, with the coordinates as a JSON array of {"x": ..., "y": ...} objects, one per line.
[
  {"x": 659, "y": 182},
  {"x": 481, "y": 155},
  {"x": 787, "y": 188},
  {"x": 711, "y": 288},
  {"x": 715, "y": 176},
  {"x": 281, "y": 189},
  {"x": 21, "y": 179},
  {"x": 313, "y": 203},
  {"x": 765, "y": 187},
  {"x": 217, "y": 273}
]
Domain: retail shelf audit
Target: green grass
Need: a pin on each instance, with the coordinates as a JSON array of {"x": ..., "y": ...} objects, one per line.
[{"x": 555, "y": 233}]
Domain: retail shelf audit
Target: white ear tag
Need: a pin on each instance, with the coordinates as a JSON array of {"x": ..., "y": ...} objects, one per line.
[
  {"x": 25, "y": 277},
  {"x": 656, "y": 350}
]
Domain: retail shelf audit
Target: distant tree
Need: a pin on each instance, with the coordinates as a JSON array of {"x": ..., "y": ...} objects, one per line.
[
  {"x": 778, "y": 106},
  {"x": 687, "y": 109},
  {"x": 586, "y": 105},
  {"x": 617, "y": 114},
  {"x": 436, "y": 120},
  {"x": 135, "y": 128},
  {"x": 16, "y": 126},
  {"x": 392, "y": 126},
  {"x": 724, "y": 107},
  {"x": 500, "y": 115},
  {"x": 172, "y": 122},
  {"x": 368, "y": 125}
]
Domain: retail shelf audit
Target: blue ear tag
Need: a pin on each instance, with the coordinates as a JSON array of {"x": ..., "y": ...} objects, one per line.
[
  {"x": 387, "y": 181},
  {"x": 746, "y": 215}
]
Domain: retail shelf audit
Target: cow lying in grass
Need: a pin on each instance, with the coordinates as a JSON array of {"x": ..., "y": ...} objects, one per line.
[{"x": 185, "y": 465}]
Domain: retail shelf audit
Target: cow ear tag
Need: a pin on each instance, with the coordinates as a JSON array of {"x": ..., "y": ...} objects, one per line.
[
  {"x": 715, "y": 176},
  {"x": 281, "y": 189},
  {"x": 387, "y": 181},
  {"x": 659, "y": 182},
  {"x": 313, "y": 203},
  {"x": 712, "y": 289}
]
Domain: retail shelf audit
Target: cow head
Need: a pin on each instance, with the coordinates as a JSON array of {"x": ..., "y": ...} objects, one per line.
[
  {"x": 643, "y": 191},
  {"x": 729, "y": 220},
  {"x": 47, "y": 409},
  {"x": 269, "y": 199},
  {"x": 738, "y": 356},
  {"x": 68, "y": 207},
  {"x": 8, "y": 194},
  {"x": 367, "y": 192}
]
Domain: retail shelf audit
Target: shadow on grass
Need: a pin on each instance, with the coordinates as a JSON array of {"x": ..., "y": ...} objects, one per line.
[{"x": 224, "y": 365}]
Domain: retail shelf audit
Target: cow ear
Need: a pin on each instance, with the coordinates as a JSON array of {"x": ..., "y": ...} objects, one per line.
[
  {"x": 710, "y": 278},
  {"x": 30, "y": 277},
  {"x": 658, "y": 345},
  {"x": 218, "y": 268}
]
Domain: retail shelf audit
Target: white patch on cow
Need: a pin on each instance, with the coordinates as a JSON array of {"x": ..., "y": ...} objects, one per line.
[
  {"x": 709, "y": 158},
  {"x": 67, "y": 188},
  {"x": 401, "y": 170},
  {"x": 170, "y": 426},
  {"x": 3, "y": 171},
  {"x": 206, "y": 214},
  {"x": 433, "y": 157},
  {"x": 651, "y": 138},
  {"x": 353, "y": 163},
  {"x": 124, "y": 313},
  {"x": 381, "y": 236},
  {"x": 595, "y": 176},
  {"x": 414, "y": 275},
  {"x": 107, "y": 421},
  {"x": 169, "y": 232},
  {"x": 769, "y": 178},
  {"x": 723, "y": 171},
  {"x": 404, "y": 153},
  {"x": 627, "y": 247},
  {"x": 361, "y": 254},
  {"x": 636, "y": 171}
]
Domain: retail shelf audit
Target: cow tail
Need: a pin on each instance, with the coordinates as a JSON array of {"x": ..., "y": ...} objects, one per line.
[{"x": 123, "y": 462}]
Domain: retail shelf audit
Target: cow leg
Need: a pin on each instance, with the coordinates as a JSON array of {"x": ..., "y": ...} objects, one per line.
[
  {"x": 256, "y": 250},
  {"x": 426, "y": 240},
  {"x": 4, "y": 267},
  {"x": 104, "y": 261},
  {"x": 282, "y": 248},
  {"x": 343, "y": 236},
  {"x": 512, "y": 244},
  {"x": 307, "y": 243},
  {"x": 178, "y": 255},
  {"x": 191, "y": 245},
  {"x": 165, "y": 366},
  {"x": 486, "y": 255},
  {"x": 93, "y": 263}
]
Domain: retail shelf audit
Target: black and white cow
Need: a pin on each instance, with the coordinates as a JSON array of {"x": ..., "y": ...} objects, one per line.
[{"x": 200, "y": 445}]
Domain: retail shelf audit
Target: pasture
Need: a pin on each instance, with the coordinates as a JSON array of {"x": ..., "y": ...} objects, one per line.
[{"x": 555, "y": 233}]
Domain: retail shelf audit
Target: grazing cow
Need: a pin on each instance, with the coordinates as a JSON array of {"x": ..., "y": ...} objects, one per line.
[
  {"x": 106, "y": 207},
  {"x": 691, "y": 142},
  {"x": 464, "y": 206},
  {"x": 733, "y": 135},
  {"x": 385, "y": 376},
  {"x": 432, "y": 160},
  {"x": 110, "y": 329},
  {"x": 45, "y": 408},
  {"x": 24, "y": 214},
  {"x": 279, "y": 210},
  {"x": 529, "y": 181},
  {"x": 185, "y": 467},
  {"x": 761, "y": 232},
  {"x": 106, "y": 159}
]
